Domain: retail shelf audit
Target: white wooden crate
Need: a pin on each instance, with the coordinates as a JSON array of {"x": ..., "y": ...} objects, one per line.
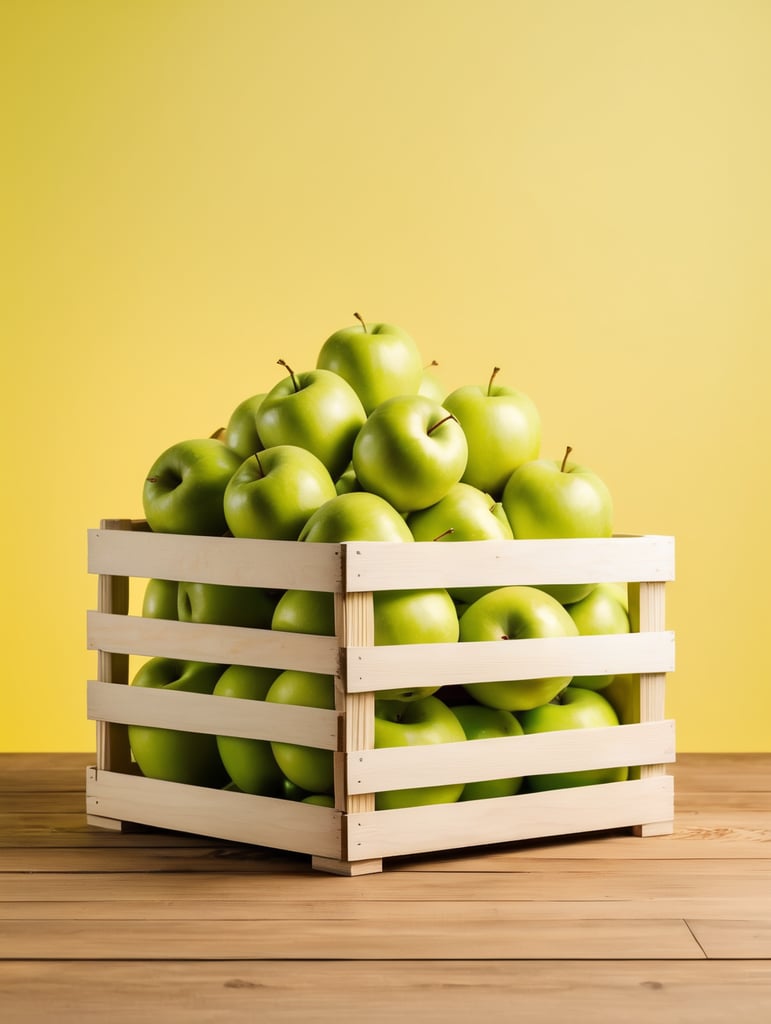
[{"x": 353, "y": 837}]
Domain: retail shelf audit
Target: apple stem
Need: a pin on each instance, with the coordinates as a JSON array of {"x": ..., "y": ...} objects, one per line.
[
  {"x": 359, "y": 318},
  {"x": 259, "y": 464},
  {"x": 568, "y": 450},
  {"x": 218, "y": 434},
  {"x": 446, "y": 533},
  {"x": 285, "y": 364},
  {"x": 493, "y": 375},
  {"x": 444, "y": 419},
  {"x": 429, "y": 365}
]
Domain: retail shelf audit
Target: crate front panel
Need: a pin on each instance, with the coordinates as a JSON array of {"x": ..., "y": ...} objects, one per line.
[
  {"x": 384, "y": 668},
  {"x": 373, "y": 566},
  {"x": 374, "y": 771},
  {"x": 410, "y": 830}
]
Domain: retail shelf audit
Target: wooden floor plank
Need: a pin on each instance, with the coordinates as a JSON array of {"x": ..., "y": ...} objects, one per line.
[
  {"x": 742, "y": 938},
  {"x": 532, "y": 992},
  {"x": 489, "y": 938},
  {"x": 702, "y": 908}
]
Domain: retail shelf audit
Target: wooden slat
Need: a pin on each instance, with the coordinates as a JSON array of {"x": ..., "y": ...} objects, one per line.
[
  {"x": 372, "y": 771},
  {"x": 376, "y": 668},
  {"x": 228, "y": 560},
  {"x": 373, "y": 566},
  {"x": 224, "y": 716},
  {"x": 240, "y": 817},
  {"x": 227, "y": 645},
  {"x": 559, "y": 812}
]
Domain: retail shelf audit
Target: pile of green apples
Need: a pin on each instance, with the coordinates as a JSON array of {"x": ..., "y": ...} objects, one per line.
[{"x": 368, "y": 446}]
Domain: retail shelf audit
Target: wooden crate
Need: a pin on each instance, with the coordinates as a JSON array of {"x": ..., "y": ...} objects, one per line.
[{"x": 353, "y": 837}]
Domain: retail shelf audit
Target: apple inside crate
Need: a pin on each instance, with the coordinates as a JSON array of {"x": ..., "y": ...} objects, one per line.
[{"x": 363, "y": 821}]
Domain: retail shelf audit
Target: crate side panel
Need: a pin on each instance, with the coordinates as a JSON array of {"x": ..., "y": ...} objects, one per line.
[
  {"x": 206, "y": 713},
  {"x": 374, "y": 566},
  {"x": 225, "y": 645},
  {"x": 234, "y": 561},
  {"x": 415, "y": 830},
  {"x": 511, "y": 757},
  {"x": 376, "y": 668},
  {"x": 238, "y": 817}
]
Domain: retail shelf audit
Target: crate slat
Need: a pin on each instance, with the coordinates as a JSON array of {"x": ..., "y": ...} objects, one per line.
[
  {"x": 383, "y": 668},
  {"x": 235, "y": 561},
  {"x": 373, "y": 771},
  {"x": 205, "y": 713},
  {"x": 410, "y": 830},
  {"x": 239, "y": 817},
  {"x": 222, "y": 645},
  {"x": 374, "y": 566}
]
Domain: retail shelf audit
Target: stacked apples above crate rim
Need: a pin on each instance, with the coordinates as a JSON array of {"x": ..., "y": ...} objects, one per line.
[{"x": 377, "y": 620}]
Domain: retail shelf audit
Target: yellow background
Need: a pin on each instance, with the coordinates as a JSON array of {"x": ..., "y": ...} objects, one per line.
[{"x": 575, "y": 190}]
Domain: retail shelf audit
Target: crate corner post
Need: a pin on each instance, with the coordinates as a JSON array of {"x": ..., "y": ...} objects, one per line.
[
  {"x": 355, "y": 627},
  {"x": 647, "y": 614},
  {"x": 112, "y": 746}
]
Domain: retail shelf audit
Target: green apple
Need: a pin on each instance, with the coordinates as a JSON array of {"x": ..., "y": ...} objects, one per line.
[
  {"x": 291, "y": 792},
  {"x": 410, "y": 451},
  {"x": 224, "y": 605},
  {"x": 431, "y": 386},
  {"x": 623, "y": 692},
  {"x": 597, "y": 614},
  {"x": 378, "y": 361},
  {"x": 514, "y": 613},
  {"x": 575, "y": 708},
  {"x": 414, "y": 617},
  {"x": 171, "y": 754},
  {"x": 308, "y": 768},
  {"x": 160, "y": 599},
  {"x": 400, "y": 617},
  {"x": 481, "y": 723},
  {"x": 305, "y": 611},
  {"x": 316, "y": 410},
  {"x": 464, "y": 513},
  {"x": 241, "y": 430},
  {"x": 503, "y": 429},
  {"x": 185, "y": 485},
  {"x": 249, "y": 763},
  {"x": 404, "y": 724},
  {"x": 274, "y": 492},
  {"x": 347, "y": 481},
  {"x": 319, "y": 799},
  {"x": 358, "y": 515},
  {"x": 545, "y": 498}
]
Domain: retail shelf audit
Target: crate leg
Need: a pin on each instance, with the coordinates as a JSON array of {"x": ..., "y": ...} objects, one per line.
[
  {"x": 654, "y": 828},
  {"x": 347, "y": 867},
  {"x": 109, "y": 823}
]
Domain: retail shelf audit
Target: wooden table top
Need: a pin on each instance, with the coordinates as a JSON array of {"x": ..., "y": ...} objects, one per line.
[{"x": 102, "y": 926}]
